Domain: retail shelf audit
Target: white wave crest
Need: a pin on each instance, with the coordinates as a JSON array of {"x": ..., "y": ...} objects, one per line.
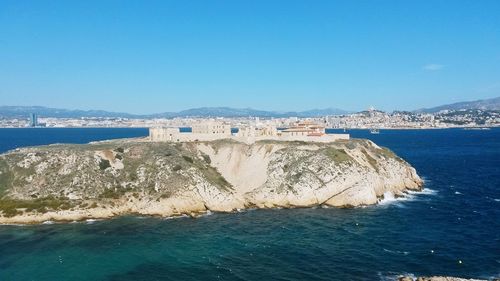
[
  {"x": 425, "y": 191},
  {"x": 176, "y": 217},
  {"x": 395, "y": 276},
  {"x": 206, "y": 214},
  {"x": 389, "y": 198},
  {"x": 405, "y": 253}
]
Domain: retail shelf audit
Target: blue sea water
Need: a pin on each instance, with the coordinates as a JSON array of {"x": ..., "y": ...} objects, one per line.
[
  {"x": 456, "y": 218},
  {"x": 11, "y": 138}
]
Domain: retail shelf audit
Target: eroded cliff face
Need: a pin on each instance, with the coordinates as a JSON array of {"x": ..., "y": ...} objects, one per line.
[{"x": 73, "y": 182}]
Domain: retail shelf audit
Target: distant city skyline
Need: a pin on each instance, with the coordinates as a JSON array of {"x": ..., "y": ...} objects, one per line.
[{"x": 161, "y": 56}]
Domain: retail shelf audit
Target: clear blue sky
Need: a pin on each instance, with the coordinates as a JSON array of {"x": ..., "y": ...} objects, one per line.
[{"x": 156, "y": 56}]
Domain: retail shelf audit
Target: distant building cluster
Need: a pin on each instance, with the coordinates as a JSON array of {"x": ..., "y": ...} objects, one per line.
[
  {"x": 410, "y": 120},
  {"x": 287, "y": 126}
]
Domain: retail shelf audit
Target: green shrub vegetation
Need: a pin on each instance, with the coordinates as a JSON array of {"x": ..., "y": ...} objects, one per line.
[
  {"x": 387, "y": 153},
  {"x": 370, "y": 159},
  {"x": 207, "y": 158},
  {"x": 12, "y": 207},
  {"x": 222, "y": 181},
  {"x": 213, "y": 176},
  {"x": 6, "y": 177},
  {"x": 187, "y": 158},
  {"x": 297, "y": 176},
  {"x": 337, "y": 155},
  {"x": 104, "y": 164},
  {"x": 351, "y": 145},
  {"x": 114, "y": 193},
  {"x": 133, "y": 176}
]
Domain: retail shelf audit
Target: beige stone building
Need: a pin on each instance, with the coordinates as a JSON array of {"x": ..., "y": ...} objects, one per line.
[
  {"x": 164, "y": 134},
  {"x": 252, "y": 131},
  {"x": 212, "y": 128},
  {"x": 304, "y": 128},
  {"x": 201, "y": 131}
]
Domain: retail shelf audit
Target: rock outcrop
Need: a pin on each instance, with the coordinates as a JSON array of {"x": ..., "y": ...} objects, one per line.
[{"x": 105, "y": 179}]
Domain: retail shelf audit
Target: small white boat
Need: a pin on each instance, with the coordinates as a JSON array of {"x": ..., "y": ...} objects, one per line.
[{"x": 374, "y": 131}]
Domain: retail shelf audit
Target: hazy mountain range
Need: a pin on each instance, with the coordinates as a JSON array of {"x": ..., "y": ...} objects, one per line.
[
  {"x": 25, "y": 111},
  {"x": 486, "y": 104}
]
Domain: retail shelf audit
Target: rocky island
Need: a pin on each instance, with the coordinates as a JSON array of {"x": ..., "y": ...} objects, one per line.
[{"x": 65, "y": 182}]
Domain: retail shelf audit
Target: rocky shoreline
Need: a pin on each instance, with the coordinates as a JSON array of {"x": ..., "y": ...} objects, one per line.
[{"x": 125, "y": 177}]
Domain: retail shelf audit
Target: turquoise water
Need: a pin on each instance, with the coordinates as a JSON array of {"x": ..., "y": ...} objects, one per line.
[{"x": 457, "y": 218}]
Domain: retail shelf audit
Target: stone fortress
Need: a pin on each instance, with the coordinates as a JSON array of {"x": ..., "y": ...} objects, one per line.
[{"x": 214, "y": 129}]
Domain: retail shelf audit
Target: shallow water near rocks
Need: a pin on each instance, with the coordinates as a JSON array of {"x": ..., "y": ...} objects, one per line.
[{"x": 456, "y": 218}]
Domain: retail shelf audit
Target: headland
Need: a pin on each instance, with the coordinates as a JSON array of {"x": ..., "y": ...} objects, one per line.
[{"x": 65, "y": 182}]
